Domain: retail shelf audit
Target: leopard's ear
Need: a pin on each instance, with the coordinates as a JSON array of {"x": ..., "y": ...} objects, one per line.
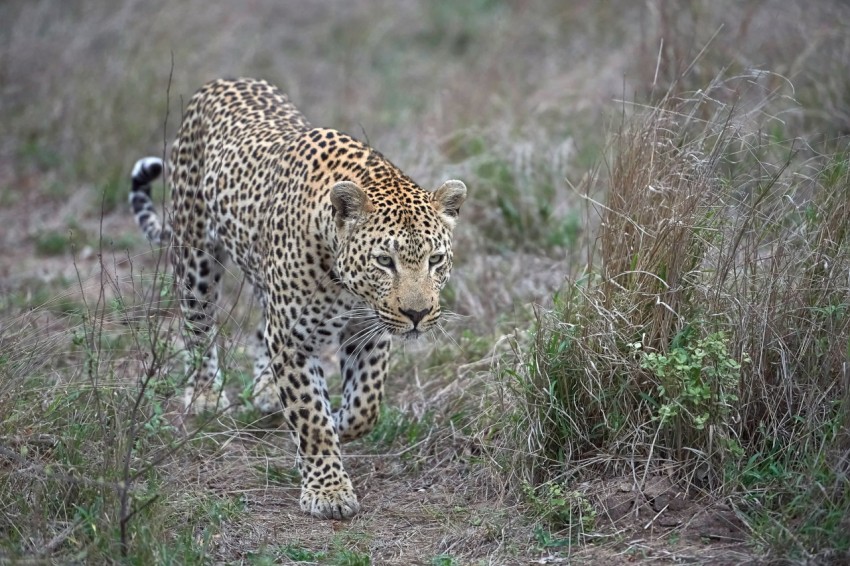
[
  {"x": 447, "y": 200},
  {"x": 349, "y": 202}
]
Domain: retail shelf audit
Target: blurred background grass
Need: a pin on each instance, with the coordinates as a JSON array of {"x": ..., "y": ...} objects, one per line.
[
  {"x": 513, "y": 96},
  {"x": 500, "y": 94}
]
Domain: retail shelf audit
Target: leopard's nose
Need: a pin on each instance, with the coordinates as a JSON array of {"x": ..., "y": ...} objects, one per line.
[{"x": 415, "y": 316}]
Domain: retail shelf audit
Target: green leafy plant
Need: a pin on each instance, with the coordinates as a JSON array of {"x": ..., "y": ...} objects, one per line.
[
  {"x": 300, "y": 554},
  {"x": 350, "y": 558},
  {"x": 395, "y": 425},
  {"x": 698, "y": 379},
  {"x": 561, "y": 508}
]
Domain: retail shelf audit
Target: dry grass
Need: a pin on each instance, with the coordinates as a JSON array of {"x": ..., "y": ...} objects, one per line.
[
  {"x": 712, "y": 224},
  {"x": 708, "y": 345}
]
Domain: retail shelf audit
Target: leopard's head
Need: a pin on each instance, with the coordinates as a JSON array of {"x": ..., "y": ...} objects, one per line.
[{"x": 395, "y": 250}]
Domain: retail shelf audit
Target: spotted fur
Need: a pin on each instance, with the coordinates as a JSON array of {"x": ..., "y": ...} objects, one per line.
[{"x": 340, "y": 246}]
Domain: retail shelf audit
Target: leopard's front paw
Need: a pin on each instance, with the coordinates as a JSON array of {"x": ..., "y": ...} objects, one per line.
[
  {"x": 338, "y": 502},
  {"x": 265, "y": 396},
  {"x": 198, "y": 402}
]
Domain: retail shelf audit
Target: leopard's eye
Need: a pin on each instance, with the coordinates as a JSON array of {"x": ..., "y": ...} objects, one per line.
[
  {"x": 385, "y": 261},
  {"x": 436, "y": 259}
]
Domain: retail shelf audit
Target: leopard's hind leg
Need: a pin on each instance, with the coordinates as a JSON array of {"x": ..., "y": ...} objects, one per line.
[{"x": 198, "y": 267}]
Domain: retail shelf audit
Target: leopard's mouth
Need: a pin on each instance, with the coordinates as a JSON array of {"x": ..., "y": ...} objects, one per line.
[
  {"x": 412, "y": 334},
  {"x": 404, "y": 329},
  {"x": 404, "y": 332}
]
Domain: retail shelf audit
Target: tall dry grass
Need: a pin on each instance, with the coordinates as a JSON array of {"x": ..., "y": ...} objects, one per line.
[{"x": 710, "y": 339}]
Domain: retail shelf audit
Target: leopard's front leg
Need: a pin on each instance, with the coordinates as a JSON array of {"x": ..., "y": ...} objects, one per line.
[
  {"x": 326, "y": 489},
  {"x": 363, "y": 358}
]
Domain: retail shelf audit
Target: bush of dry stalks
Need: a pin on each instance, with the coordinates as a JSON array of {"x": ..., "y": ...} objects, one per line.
[{"x": 708, "y": 340}]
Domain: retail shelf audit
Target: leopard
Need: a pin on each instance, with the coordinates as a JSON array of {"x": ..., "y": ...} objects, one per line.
[{"x": 342, "y": 249}]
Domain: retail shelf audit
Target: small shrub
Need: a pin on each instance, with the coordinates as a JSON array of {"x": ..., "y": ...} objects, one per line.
[
  {"x": 395, "y": 426},
  {"x": 350, "y": 558},
  {"x": 112, "y": 193},
  {"x": 300, "y": 554},
  {"x": 443, "y": 560},
  {"x": 696, "y": 380},
  {"x": 52, "y": 243},
  {"x": 561, "y": 508}
]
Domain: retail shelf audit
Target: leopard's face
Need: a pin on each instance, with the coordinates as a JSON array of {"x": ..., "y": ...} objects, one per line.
[{"x": 398, "y": 256}]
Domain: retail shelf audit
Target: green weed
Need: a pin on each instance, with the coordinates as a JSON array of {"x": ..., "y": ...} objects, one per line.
[
  {"x": 698, "y": 381},
  {"x": 337, "y": 556},
  {"x": 52, "y": 243},
  {"x": 112, "y": 192},
  {"x": 39, "y": 155},
  {"x": 300, "y": 554},
  {"x": 219, "y": 510},
  {"x": 396, "y": 427},
  {"x": 288, "y": 477},
  {"x": 526, "y": 196},
  {"x": 546, "y": 540},
  {"x": 350, "y": 558},
  {"x": 561, "y": 509}
]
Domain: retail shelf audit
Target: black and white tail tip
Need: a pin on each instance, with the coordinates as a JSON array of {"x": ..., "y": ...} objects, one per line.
[{"x": 146, "y": 171}]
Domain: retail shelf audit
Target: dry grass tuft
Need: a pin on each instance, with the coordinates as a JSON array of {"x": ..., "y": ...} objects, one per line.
[{"x": 709, "y": 342}]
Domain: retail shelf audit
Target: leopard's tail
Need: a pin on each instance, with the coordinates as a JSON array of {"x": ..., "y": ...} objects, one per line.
[{"x": 145, "y": 172}]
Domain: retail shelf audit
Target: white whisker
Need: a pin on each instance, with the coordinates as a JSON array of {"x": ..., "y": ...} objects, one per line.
[
  {"x": 376, "y": 333},
  {"x": 365, "y": 331},
  {"x": 447, "y": 335}
]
